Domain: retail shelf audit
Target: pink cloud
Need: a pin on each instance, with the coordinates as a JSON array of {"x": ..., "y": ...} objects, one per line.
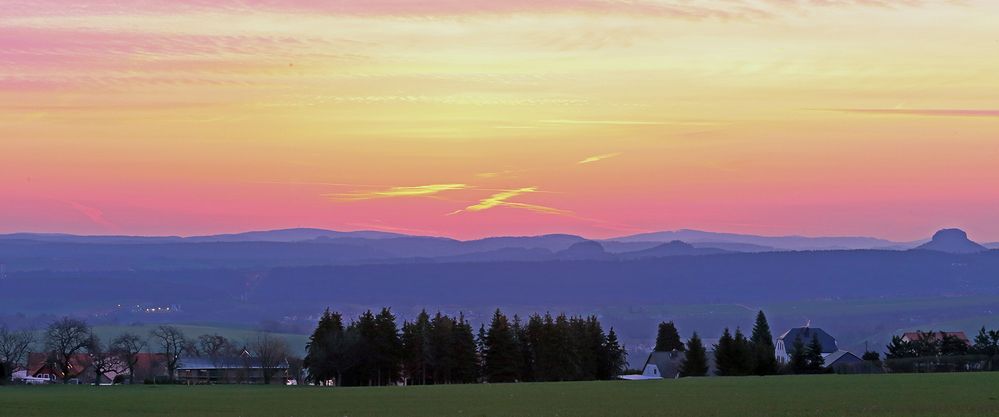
[
  {"x": 927, "y": 112},
  {"x": 686, "y": 10},
  {"x": 94, "y": 215}
]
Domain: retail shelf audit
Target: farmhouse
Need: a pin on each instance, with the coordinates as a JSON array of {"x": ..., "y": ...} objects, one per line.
[
  {"x": 238, "y": 369},
  {"x": 936, "y": 336},
  {"x": 660, "y": 365},
  {"x": 42, "y": 363},
  {"x": 842, "y": 360},
  {"x": 785, "y": 342}
]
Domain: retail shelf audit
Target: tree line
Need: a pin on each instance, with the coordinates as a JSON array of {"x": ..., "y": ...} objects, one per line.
[
  {"x": 64, "y": 340},
  {"x": 439, "y": 349},
  {"x": 734, "y": 354},
  {"x": 940, "y": 351}
]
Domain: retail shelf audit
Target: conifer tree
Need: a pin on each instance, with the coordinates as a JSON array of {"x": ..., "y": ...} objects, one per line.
[
  {"x": 668, "y": 338},
  {"x": 525, "y": 360},
  {"x": 387, "y": 348},
  {"x": 695, "y": 363},
  {"x": 441, "y": 352},
  {"x": 317, "y": 353},
  {"x": 763, "y": 347},
  {"x": 799, "y": 358},
  {"x": 417, "y": 348},
  {"x": 743, "y": 354},
  {"x": 500, "y": 351},
  {"x": 466, "y": 362},
  {"x": 726, "y": 361},
  {"x": 614, "y": 357},
  {"x": 813, "y": 355}
]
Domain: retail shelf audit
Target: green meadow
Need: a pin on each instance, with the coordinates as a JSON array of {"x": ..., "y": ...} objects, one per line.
[{"x": 910, "y": 395}]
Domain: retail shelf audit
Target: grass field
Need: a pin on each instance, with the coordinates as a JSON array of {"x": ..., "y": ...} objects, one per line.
[{"x": 828, "y": 395}]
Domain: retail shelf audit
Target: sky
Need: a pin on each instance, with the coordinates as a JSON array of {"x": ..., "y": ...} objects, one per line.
[{"x": 470, "y": 118}]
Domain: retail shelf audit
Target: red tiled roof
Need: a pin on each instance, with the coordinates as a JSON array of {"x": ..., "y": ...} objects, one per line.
[
  {"x": 39, "y": 363},
  {"x": 937, "y": 336}
]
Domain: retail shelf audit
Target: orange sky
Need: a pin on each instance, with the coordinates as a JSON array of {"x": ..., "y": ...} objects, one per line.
[{"x": 474, "y": 118}]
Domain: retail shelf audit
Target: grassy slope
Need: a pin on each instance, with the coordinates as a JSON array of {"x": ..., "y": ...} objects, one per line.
[{"x": 827, "y": 395}]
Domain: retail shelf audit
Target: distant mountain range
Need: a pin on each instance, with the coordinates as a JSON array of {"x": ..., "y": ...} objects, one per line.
[
  {"x": 637, "y": 281},
  {"x": 771, "y": 242},
  {"x": 313, "y": 247}
]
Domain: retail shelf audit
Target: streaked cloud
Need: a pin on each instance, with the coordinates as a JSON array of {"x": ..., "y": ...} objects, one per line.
[
  {"x": 95, "y": 215},
  {"x": 925, "y": 112},
  {"x": 666, "y": 9},
  {"x": 501, "y": 199},
  {"x": 625, "y": 122},
  {"x": 598, "y": 158},
  {"x": 414, "y": 191}
]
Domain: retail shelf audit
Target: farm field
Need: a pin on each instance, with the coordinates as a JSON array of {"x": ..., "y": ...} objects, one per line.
[{"x": 909, "y": 395}]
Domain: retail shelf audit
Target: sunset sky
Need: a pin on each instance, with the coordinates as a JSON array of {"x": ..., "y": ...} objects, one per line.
[{"x": 469, "y": 118}]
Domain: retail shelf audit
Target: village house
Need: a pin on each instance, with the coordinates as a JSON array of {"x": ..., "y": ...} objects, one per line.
[
  {"x": 937, "y": 336},
  {"x": 229, "y": 369},
  {"x": 43, "y": 364},
  {"x": 785, "y": 342},
  {"x": 666, "y": 365},
  {"x": 836, "y": 359}
]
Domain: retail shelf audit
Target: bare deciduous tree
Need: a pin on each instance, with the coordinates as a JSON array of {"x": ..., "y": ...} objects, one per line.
[
  {"x": 271, "y": 352},
  {"x": 128, "y": 346},
  {"x": 171, "y": 343},
  {"x": 65, "y": 338},
  {"x": 14, "y": 347},
  {"x": 215, "y": 347},
  {"x": 103, "y": 360}
]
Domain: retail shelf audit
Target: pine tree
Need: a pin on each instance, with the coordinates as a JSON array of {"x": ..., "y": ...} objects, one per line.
[
  {"x": 799, "y": 360},
  {"x": 763, "y": 346},
  {"x": 367, "y": 351},
  {"x": 466, "y": 362},
  {"x": 441, "y": 348},
  {"x": 745, "y": 359},
  {"x": 726, "y": 362},
  {"x": 500, "y": 351},
  {"x": 318, "y": 356},
  {"x": 668, "y": 338},
  {"x": 813, "y": 355},
  {"x": 417, "y": 348},
  {"x": 695, "y": 363},
  {"x": 614, "y": 357},
  {"x": 526, "y": 358},
  {"x": 388, "y": 347},
  {"x": 566, "y": 361}
]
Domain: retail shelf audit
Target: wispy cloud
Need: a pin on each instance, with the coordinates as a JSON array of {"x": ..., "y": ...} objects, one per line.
[
  {"x": 675, "y": 9},
  {"x": 598, "y": 158},
  {"x": 414, "y": 191},
  {"x": 501, "y": 199},
  {"x": 625, "y": 122},
  {"x": 657, "y": 8},
  {"x": 925, "y": 112},
  {"x": 95, "y": 215}
]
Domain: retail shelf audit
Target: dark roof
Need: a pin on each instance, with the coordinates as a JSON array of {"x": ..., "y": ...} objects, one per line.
[
  {"x": 202, "y": 363},
  {"x": 806, "y": 334},
  {"x": 842, "y": 357},
  {"x": 667, "y": 362}
]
